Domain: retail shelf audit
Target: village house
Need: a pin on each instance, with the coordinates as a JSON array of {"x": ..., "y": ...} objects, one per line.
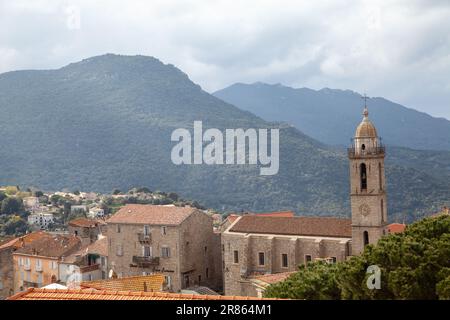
[
  {"x": 31, "y": 203},
  {"x": 96, "y": 212},
  {"x": 36, "y": 264},
  {"x": 87, "y": 264},
  {"x": 178, "y": 242},
  {"x": 7, "y": 263},
  {"x": 41, "y": 220},
  {"x": 87, "y": 229}
]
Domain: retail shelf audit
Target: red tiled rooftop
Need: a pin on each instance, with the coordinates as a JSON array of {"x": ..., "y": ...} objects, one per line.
[
  {"x": 92, "y": 294},
  {"x": 150, "y": 283},
  {"x": 19, "y": 242},
  {"x": 396, "y": 227},
  {"x": 151, "y": 214},
  {"x": 273, "y": 278},
  {"x": 85, "y": 223},
  {"x": 51, "y": 246},
  {"x": 299, "y": 226},
  {"x": 286, "y": 214},
  {"x": 99, "y": 247}
]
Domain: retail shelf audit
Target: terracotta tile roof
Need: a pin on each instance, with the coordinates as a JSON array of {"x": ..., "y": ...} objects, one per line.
[
  {"x": 286, "y": 214},
  {"x": 148, "y": 283},
  {"x": 396, "y": 227},
  {"x": 49, "y": 245},
  {"x": 85, "y": 223},
  {"x": 151, "y": 214},
  {"x": 92, "y": 294},
  {"x": 273, "y": 278},
  {"x": 99, "y": 247},
  {"x": 299, "y": 226},
  {"x": 19, "y": 242}
]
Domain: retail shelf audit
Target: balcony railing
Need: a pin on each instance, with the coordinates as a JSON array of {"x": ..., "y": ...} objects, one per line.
[
  {"x": 27, "y": 267},
  {"x": 144, "y": 238},
  {"x": 29, "y": 284},
  {"x": 375, "y": 151},
  {"x": 89, "y": 268},
  {"x": 145, "y": 262},
  {"x": 38, "y": 268}
]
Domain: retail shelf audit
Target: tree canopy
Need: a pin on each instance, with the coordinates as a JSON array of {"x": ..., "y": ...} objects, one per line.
[{"x": 414, "y": 264}]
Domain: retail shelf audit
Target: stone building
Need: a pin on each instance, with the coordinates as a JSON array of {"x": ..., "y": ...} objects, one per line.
[
  {"x": 178, "y": 242},
  {"x": 256, "y": 245},
  {"x": 87, "y": 229}
]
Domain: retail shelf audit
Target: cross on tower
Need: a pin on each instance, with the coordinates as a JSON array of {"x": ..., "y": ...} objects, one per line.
[{"x": 365, "y": 100}]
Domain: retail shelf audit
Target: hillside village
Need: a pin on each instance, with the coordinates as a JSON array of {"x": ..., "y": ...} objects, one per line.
[{"x": 157, "y": 245}]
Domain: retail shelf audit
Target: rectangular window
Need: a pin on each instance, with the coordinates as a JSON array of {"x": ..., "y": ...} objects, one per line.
[
  {"x": 146, "y": 230},
  {"x": 207, "y": 273},
  {"x": 119, "y": 250},
  {"x": 168, "y": 281},
  {"x": 38, "y": 263},
  {"x": 284, "y": 260},
  {"x": 147, "y": 251},
  {"x": 308, "y": 258},
  {"x": 118, "y": 228},
  {"x": 261, "y": 259},
  {"x": 103, "y": 261},
  {"x": 54, "y": 265},
  {"x": 39, "y": 279},
  {"x": 163, "y": 231},
  {"x": 236, "y": 256},
  {"x": 165, "y": 252},
  {"x": 334, "y": 259}
]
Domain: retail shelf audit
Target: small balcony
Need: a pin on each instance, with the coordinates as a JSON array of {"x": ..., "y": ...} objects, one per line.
[
  {"x": 26, "y": 267},
  {"x": 144, "y": 238},
  {"x": 38, "y": 268},
  {"x": 145, "y": 262},
  {"x": 29, "y": 284},
  {"x": 90, "y": 268}
]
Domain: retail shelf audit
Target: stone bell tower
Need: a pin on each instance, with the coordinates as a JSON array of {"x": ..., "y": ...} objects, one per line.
[{"x": 368, "y": 187}]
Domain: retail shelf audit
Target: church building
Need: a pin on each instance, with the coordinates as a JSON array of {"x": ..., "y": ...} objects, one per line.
[{"x": 253, "y": 245}]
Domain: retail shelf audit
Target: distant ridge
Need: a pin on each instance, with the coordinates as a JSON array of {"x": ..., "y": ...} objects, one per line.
[{"x": 330, "y": 115}]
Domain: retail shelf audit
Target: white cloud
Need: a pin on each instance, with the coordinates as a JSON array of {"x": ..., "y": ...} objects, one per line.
[{"x": 398, "y": 49}]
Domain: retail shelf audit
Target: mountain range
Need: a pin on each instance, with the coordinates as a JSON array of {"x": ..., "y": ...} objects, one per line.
[
  {"x": 106, "y": 122},
  {"x": 331, "y": 115}
]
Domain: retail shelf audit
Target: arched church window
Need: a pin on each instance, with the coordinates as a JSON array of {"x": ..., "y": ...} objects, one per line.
[
  {"x": 363, "y": 147},
  {"x": 366, "y": 238},
  {"x": 363, "y": 176}
]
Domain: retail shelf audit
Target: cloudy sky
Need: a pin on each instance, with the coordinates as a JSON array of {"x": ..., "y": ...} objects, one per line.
[{"x": 396, "y": 49}]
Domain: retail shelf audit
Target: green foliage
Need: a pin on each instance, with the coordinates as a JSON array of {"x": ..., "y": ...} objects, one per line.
[
  {"x": 11, "y": 205},
  {"x": 2, "y": 196},
  {"x": 15, "y": 226},
  {"x": 414, "y": 265},
  {"x": 314, "y": 281}
]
